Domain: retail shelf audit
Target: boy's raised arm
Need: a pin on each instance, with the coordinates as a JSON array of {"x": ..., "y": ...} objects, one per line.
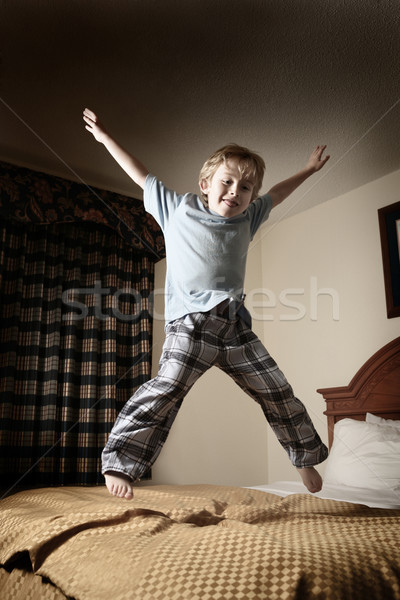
[
  {"x": 131, "y": 165},
  {"x": 282, "y": 190}
]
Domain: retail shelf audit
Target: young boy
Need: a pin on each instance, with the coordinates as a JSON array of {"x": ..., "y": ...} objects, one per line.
[{"x": 207, "y": 324}]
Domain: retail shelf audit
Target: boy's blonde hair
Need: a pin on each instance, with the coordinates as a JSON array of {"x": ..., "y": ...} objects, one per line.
[{"x": 251, "y": 166}]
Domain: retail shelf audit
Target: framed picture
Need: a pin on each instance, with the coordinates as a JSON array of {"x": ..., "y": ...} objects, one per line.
[{"x": 389, "y": 225}]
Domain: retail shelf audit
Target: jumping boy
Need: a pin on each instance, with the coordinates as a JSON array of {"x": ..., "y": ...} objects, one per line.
[{"x": 206, "y": 322}]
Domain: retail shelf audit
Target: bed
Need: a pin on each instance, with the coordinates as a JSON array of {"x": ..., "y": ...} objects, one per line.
[
  {"x": 364, "y": 461},
  {"x": 217, "y": 542}
]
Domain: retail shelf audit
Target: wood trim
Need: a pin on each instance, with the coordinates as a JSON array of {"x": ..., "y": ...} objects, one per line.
[{"x": 374, "y": 388}]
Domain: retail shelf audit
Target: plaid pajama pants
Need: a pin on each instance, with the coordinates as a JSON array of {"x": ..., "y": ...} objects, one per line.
[{"x": 192, "y": 345}]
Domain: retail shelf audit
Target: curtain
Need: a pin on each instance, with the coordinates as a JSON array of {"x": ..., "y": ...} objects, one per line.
[{"x": 75, "y": 322}]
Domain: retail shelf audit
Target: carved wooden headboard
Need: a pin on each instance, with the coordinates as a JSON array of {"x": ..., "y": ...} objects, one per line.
[{"x": 375, "y": 388}]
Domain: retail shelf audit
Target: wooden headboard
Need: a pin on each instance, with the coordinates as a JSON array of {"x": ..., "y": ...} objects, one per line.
[{"x": 375, "y": 388}]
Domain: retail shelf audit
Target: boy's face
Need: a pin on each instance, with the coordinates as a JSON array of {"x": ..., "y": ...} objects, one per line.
[{"x": 229, "y": 192}]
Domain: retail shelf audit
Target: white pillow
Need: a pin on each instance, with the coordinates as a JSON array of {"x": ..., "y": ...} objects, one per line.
[
  {"x": 370, "y": 418},
  {"x": 365, "y": 455}
]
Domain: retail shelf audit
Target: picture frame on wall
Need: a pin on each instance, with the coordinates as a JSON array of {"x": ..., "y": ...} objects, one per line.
[{"x": 389, "y": 226}]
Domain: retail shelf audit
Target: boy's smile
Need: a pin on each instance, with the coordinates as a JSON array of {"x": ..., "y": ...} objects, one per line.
[{"x": 229, "y": 192}]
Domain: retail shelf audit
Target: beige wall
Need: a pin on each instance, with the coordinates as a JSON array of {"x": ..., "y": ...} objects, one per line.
[
  {"x": 315, "y": 289},
  {"x": 337, "y": 246}
]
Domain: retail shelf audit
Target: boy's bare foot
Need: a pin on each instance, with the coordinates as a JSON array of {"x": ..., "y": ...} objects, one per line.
[
  {"x": 118, "y": 485},
  {"x": 311, "y": 479}
]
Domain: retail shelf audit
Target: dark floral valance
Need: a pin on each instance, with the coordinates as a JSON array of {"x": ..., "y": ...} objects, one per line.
[{"x": 34, "y": 197}]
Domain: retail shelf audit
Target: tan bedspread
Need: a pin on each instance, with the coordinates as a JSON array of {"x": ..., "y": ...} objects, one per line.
[{"x": 195, "y": 542}]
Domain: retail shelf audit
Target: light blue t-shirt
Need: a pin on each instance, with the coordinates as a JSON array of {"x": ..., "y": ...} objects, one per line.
[{"x": 206, "y": 253}]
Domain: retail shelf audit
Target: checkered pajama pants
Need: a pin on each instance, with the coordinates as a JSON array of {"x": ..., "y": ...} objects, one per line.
[{"x": 193, "y": 344}]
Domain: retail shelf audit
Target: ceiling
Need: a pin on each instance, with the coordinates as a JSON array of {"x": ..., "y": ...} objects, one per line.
[{"x": 175, "y": 79}]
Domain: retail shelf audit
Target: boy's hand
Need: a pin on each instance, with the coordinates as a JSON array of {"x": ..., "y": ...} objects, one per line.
[
  {"x": 94, "y": 125},
  {"x": 316, "y": 162},
  {"x": 283, "y": 189},
  {"x": 131, "y": 165}
]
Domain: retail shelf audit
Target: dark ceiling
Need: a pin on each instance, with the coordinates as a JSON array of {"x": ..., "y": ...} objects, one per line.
[{"x": 174, "y": 80}]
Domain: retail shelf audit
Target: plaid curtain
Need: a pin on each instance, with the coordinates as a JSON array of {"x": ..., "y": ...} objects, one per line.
[{"x": 75, "y": 332}]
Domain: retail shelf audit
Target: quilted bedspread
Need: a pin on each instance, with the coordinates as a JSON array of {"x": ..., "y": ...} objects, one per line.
[{"x": 194, "y": 542}]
